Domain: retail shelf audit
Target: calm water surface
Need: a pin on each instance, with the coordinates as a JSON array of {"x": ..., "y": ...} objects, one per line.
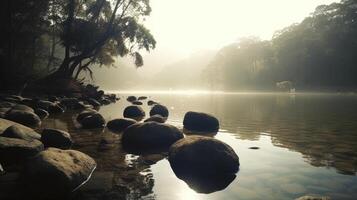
[{"x": 307, "y": 145}]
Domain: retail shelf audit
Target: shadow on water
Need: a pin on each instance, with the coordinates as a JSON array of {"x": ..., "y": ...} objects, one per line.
[{"x": 207, "y": 183}]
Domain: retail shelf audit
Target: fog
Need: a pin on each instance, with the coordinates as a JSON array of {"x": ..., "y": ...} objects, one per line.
[{"x": 189, "y": 36}]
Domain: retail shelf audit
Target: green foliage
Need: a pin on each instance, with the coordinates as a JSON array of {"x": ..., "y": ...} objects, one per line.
[
  {"x": 319, "y": 52},
  {"x": 37, "y": 34}
]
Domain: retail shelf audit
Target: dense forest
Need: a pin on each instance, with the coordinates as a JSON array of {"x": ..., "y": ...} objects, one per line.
[
  {"x": 60, "y": 39},
  {"x": 318, "y": 53}
]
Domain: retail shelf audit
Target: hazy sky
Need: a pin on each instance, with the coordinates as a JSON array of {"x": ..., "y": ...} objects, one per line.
[
  {"x": 190, "y": 25},
  {"x": 182, "y": 27}
]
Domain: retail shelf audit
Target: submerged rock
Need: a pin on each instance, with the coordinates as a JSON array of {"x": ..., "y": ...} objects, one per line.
[
  {"x": 201, "y": 122},
  {"x": 119, "y": 125},
  {"x": 13, "y": 150},
  {"x": 55, "y": 173},
  {"x": 16, "y": 131},
  {"x": 134, "y": 112},
  {"x": 202, "y": 155},
  {"x": 23, "y": 117},
  {"x": 56, "y": 138},
  {"x": 156, "y": 118},
  {"x": 159, "y": 110},
  {"x": 150, "y": 136}
]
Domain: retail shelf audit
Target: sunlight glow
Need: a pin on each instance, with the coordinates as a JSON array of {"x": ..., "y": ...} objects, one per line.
[{"x": 187, "y": 26}]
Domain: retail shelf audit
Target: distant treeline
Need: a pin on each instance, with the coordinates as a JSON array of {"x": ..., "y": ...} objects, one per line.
[{"x": 318, "y": 53}]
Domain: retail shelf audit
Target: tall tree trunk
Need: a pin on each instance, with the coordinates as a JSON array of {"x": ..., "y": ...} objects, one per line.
[{"x": 63, "y": 70}]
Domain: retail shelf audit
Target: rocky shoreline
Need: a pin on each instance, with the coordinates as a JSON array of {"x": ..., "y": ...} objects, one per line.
[{"x": 39, "y": 162}]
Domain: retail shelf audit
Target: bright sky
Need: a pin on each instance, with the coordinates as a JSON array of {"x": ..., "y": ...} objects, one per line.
[{"x": 186, "y": 26}]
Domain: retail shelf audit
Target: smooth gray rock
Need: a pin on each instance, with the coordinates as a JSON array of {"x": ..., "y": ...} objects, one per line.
[
  {"x": 4, "y": 124},
  {"x": 85, "y": 113},
  {"x": 156, "y": 118},
  {"x": 55, "y": 173},
  {"x": 14, "y": 150},
  {"x": 16, "y": 131},
  {"x": 119, "y": 125},
  {"x": 93, "y": 121},
  {"x": 131, "y": 98},
  {"x": 56, "y": 138},
  {"x": 202, "y": 155},
  {"x": 26, "y": 118},
  {"x": 159, "y": 110},
  {"x": 200, "y": 122},
  {"x": 150, "y": 136},
  {"x": 137, "y": 103},
  {"x": 134, "y": 112},
  {"x": 21, "y": 107}
]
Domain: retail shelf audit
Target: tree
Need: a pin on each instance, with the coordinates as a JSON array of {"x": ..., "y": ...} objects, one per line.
[
  {"x": 95, "y": 31},
  {"x": 21, "y": 43}
]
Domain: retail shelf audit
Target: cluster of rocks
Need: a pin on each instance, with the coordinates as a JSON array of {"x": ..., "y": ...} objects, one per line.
[
  {"x": 41, "y": 164},
  {"x": 31, "y": 111},
  {"x": 49, "y": 168},
  {"x": 45, "y": 165},
  {"x": 205, "y": 163}
]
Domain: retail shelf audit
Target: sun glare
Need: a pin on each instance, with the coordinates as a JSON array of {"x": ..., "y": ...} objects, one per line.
[{"x": 190, "y": 26}]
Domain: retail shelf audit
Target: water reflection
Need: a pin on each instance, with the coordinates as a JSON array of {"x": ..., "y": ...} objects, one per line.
[
  {"x": 300, "y": 138},
  {"x": 207, "y": 184}
]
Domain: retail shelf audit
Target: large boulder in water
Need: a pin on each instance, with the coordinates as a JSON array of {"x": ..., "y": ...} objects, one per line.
[
  {"x": 134, "y": 112},
  {"x": 159, "y": 110},
  {"x": 203, "y": 155},
  {"x": 205, "y": 164},
  {"x": 119, "y": 125},
  {"x": 13, "y": 150},
  {"x": 56, "y": 138},
  {"x": 16, "y": 131},
  {"x": 200, "y": 122},
  {"x": 150, "y": 137},
  {"x": 55, "y": 173},
  {"x": 23, "y": 117}
]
